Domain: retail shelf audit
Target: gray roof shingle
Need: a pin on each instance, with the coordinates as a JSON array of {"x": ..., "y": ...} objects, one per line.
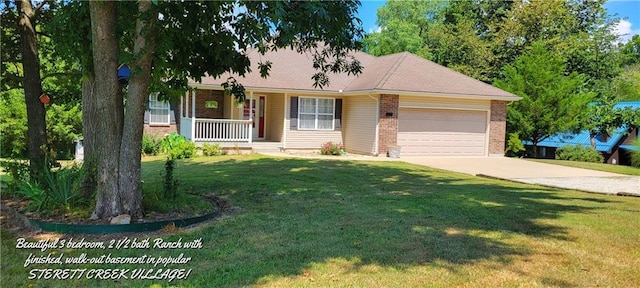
[{"x": 394, "y": 74}]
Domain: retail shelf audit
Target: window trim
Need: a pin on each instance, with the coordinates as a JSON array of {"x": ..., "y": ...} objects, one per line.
[
  {"x": 153, "y": 105},
  {"x": 316, "y": 113}
]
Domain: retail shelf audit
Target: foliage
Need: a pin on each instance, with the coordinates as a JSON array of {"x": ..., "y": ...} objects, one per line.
[
  {"x": 514, "y": 145},
  {"x": 63, "y": 186},
  {"x": 13, "y": 124},
  {"x": 552, "y": 102},
  {"x": 177, "y": 146},
  {"x": 635, "y": 154},
  {"x": 57, "y": 189},
  {"x": 64, "y": 128},
  {"x": 330, "y": 148},
  {"x": 151, "y": 145},
  {"x": 170, "y": 184},
  {"x": 212, "y": 150},
  {"x": 479, "y": 38},
  {"x": 36, "y": 195},
  {"x": 18, "y": 171},
  {"x": 579, "y": 153}
]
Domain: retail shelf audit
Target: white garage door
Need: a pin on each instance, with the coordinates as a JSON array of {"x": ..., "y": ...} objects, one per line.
[{"x": 441, "y": 132}]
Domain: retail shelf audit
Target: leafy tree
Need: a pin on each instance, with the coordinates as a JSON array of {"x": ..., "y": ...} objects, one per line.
[
  {"x": 27, "y": 56},
  {"x": 168, "y": 43},
  {"x": 13, "y": 124},
  {"x": 631, "y": 51},
  {"x": 552, "y": 102}
]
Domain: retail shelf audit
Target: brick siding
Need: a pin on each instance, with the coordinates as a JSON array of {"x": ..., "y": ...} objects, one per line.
[
  {"x": 497, "y": 128},
  {"x": 388, "y": 125},
  {"x": 159, "y": 131}
]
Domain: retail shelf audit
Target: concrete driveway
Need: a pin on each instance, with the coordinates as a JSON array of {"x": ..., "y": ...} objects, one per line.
[{"x": 535, "y": 173}]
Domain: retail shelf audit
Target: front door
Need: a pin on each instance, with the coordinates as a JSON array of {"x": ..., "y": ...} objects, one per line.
[{"x": 257, "y": 114}]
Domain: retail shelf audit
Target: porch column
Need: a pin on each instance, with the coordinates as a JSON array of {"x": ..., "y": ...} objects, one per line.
[
  {"x": 285, "y": 127},
  {"x": 193, "y": 115},
  {"x": 181, "y": 103},
  {"x": 251, "y": 105}
]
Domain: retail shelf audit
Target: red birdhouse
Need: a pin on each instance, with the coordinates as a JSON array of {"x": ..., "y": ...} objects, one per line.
[{"x": 44, "y": 98}]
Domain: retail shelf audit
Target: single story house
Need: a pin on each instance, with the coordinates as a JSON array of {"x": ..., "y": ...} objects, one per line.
[
  {"x": 615, "y": 148},
  {"x": 399, "y": 99}
]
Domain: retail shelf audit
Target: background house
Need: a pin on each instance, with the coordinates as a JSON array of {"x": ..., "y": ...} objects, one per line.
[
  {"x": 399, "y": 99},
  {"x": 615, "y": 148}
]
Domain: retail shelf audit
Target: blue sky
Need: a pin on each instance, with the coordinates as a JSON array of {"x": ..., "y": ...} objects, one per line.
[{"x": 627, "y": 10}]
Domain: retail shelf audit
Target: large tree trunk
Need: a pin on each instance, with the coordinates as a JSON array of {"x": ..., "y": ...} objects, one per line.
[
  {"x": 109, "y": 104},
  {"x": 138, "y": 92},
  {"x": 90, "y": 134},
  {"x": 36, "y": 123}
]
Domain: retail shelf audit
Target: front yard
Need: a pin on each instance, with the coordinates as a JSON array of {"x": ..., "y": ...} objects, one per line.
[{"x": 327, "y": 223}]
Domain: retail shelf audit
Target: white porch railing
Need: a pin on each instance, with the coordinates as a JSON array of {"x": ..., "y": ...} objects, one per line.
[{"x": 218, "y": 130}]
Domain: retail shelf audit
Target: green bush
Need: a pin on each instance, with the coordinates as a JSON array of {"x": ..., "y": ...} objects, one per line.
[
  {"x": 579, "y": 153},
  {"x": 36, "y": 195},
  {"x": 177, "y": 146},
  {"x": 331, "y": 148},
  {"x": 635, "y": 155},
  {"x": 212, "y": 150},
  {"x": 64, "y": 186},
  {"x": 150, "y": 145},
  {"x": 514, "y": 145},
  {"x": 17, "y": 170}
]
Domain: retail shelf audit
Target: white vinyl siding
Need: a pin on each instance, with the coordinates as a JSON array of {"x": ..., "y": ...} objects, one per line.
[
  {"x": 316, "y": 113},
  {"x": 359, "y": 116},
  {"x": 275, "y": 117},
  {"x": 159, "y": 111}
]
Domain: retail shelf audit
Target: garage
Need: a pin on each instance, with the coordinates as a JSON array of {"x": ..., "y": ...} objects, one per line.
[{"x": 442, "y": 132}]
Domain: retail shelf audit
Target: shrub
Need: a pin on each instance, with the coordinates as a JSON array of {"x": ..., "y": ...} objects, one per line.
[
  {"x": 183, "y": 150},
  {"x": 36, "y": 195},
  {"x": 579, "y": 153},
  {"x": 514, "y": 145},
  {"x": 331, "y": 148},
  {"x": 212, "y": 150},
  {"x": 64, "y": 186},
  {"x": 635, "y": 155},
  {"x": 177, "y": 146},
  {"x": 150, "y": 145},
  {"x": 170, "y": 184},
  {"x": 18, "y": 172}
]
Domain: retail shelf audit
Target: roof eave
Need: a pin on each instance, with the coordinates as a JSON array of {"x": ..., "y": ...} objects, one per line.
[{"x": 437, "y": 94}]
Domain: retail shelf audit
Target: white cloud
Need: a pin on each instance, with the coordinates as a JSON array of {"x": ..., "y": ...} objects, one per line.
[
  {"x": 376, "y": 29},
  {"x": 625, "y": 30}
]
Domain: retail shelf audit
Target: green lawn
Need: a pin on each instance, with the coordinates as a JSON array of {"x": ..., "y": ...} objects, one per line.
[
  {"x": 620, "y": 169},
  {"x": 326, "y": 223}
]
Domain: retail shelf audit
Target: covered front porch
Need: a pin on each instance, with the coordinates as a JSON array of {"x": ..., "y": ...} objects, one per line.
[{"x": 207, "y": 116}]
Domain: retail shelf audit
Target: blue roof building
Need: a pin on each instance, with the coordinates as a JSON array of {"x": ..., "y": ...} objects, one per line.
[{"x": 614, "y": 148}]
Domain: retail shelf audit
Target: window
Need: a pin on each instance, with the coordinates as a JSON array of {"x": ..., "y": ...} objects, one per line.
[
  {"x": 316, "y": 113},
  {"x": 158, "y": 111}
]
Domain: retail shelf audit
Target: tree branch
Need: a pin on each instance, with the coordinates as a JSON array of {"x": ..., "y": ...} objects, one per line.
[
  {"x": 60, "y": 74},
  {"x": 37, "y": 9}
]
